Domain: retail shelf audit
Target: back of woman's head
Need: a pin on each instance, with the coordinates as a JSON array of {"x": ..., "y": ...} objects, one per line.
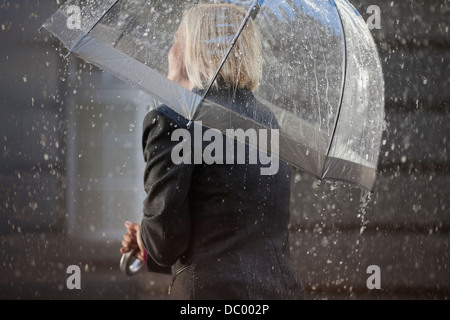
[{"x": 209, "y": 31}]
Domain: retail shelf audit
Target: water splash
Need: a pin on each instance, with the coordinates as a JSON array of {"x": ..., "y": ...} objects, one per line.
[{"x": 366, "y": 198}]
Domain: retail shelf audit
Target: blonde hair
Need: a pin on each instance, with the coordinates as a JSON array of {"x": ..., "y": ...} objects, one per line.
[{"x": 209, "y": 30}]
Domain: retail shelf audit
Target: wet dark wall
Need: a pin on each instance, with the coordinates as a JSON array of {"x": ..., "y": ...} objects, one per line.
[
  {"x": 403, "y": 227},
  {"x": 47, "y": 221},
  {"x": 337, "y": 231}
]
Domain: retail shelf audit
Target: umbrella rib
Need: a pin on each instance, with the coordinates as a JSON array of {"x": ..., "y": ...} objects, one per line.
[
  {"x": 252, "y": 13},
  {"x": 343, "y": 86}
]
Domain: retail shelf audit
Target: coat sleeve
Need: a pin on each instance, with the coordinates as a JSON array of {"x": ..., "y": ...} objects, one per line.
[{"x": 166, "y": 223}]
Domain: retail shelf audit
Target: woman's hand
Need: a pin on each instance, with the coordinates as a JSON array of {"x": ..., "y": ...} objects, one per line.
[{"x": 132, "y": 240}]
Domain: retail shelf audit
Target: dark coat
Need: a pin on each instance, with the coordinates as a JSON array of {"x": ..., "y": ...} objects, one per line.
[{"x": 223, "y": 229}]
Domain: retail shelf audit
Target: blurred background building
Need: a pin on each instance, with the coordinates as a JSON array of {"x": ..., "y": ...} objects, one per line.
[{"x": 71, "y": 171}]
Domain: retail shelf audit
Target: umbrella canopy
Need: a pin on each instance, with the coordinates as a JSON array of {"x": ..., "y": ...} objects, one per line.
[{"x": 322, "y": 76}]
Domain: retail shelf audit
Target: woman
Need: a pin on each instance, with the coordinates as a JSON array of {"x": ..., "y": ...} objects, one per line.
[{"x": 222, "y": 229}]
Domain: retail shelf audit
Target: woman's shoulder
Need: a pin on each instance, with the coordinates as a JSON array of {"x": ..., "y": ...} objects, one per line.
[{"x": 164, "y": 113}]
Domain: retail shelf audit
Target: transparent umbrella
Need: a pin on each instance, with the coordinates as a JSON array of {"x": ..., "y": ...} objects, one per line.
[{"x": 322, "y": 76}]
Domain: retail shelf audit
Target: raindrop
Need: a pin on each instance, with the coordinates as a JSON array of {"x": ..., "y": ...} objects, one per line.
[{"x": 364, "y": 203}]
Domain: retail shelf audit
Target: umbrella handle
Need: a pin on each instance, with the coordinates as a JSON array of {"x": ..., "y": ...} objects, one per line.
[{"x": 129, "y": 264}]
